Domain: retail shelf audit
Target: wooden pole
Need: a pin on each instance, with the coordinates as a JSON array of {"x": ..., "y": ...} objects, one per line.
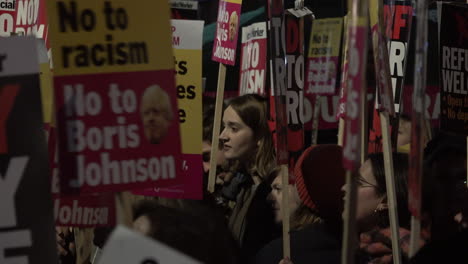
[
  {"x": 349, "y": 225},
  {"x": 364, "y": 125},
  {"x": 285, "y": 209},
  {"x": 390, "y": 182},
  {"x": 84, "y": 244},
  {"x": 216, "y": 126},
  {"x": 341, "y": 127},
  {"x": 414, "y": 237},
  {"x": 315, "y": 120}
]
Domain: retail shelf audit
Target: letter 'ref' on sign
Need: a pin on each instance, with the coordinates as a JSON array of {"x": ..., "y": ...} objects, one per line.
[{"x": 7, "y": 100}]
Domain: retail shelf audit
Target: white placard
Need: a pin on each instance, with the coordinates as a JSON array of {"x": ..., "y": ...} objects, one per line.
[{"x": 128, "y": 247}]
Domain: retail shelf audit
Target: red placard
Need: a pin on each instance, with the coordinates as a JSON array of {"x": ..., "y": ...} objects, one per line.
[
  {"x": 227, "y": 27},
  {"x": 110, "y": 140},
  {"x": 357, "y": 61},
  {"x": 253, "y": 59}
]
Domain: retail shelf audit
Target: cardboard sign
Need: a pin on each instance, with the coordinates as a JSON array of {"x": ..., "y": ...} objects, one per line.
[
  {"x": 344, "y": 72},
  {"x": 77, "y": 211},
  {"x": 23, "y": 17},
  {"x": 279, "y": 124},
  {"x": 324, "y": 51},
  {"x": 184, "y": 9},
  {"x": 187, "y": 43},
  {"x": 453, "y": 58},
  {"x": 381, "y": 61},
  {"x": 26, "y": 225},
  {"x": 227, "y": 27},
  {"x": 114, "y": 95},
  {"x": 356, "y": 78},
  {"x": 85, "y": 211},
  {"x": 253, "y": 59},
  {"x": 125, "y": 246},
  {"x": 294, "y": 87},
  {"x": 398, "y": 32}
]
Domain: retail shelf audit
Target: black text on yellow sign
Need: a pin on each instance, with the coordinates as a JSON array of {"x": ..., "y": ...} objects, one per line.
[{"x": 109, "y": 36}]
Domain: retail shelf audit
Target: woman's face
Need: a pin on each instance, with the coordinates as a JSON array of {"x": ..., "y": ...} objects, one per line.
[
  {"x": 238, "y": 138},
  {"x": 276, "y": 197},
  {"x": 368, "y": 198}
]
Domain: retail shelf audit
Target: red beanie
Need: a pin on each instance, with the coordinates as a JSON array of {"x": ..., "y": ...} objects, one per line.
[{"x": 319, "y": 177}]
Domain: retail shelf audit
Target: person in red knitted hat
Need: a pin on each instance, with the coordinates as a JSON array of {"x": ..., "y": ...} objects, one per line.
[{"x": 316, "y": 221}]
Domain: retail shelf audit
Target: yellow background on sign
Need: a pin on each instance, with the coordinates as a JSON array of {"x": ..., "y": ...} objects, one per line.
[
  {"x": 45, "y": 77},
  {"x": 191, "y": 129},
  {"x": 148, "y": 21},
  {"x": 330, "y": 27}
]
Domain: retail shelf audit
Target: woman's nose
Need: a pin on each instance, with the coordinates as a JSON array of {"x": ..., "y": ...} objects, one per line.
[{"x": 223, "y": 136}]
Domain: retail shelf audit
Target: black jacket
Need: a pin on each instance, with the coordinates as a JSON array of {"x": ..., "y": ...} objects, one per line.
[{"x": 313, "y": 244}]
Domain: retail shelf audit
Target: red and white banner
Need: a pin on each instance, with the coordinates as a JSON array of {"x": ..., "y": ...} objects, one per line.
[
  {"x": 357, "y": 65},
  {"x": 253, "y": 59}
]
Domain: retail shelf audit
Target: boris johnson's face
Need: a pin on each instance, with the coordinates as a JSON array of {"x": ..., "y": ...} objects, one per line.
[
  {"x": 155, "y": 121},
  {"x": 232, "y": 27}
]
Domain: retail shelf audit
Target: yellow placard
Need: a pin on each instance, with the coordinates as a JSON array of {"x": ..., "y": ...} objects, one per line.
[
  {"x": 325, "y": 37},
  {"x": 45, "y": 76},
  {"x": 187, "y": 43},
  {"x": 189, "y": 92},
  {"x": 89, "y": 36}
]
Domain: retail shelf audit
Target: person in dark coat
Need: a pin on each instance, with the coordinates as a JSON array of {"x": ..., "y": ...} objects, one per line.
[{"x": 316, "y": 206}]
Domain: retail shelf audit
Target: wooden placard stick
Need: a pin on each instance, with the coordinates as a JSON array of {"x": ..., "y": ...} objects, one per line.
[
  {"x": 391, "y": 188},
  {"x": 364, "y": 126},
  {"x": 285, "y": 206},
  {"x": 420, "y": 128},
  {"x": 315, "y": 120},
  {"x": 216, "y": 126},
  {"x": 349, "y": 225},
  {"x": 83, "y": 244},
  {"x": 123, "y": 205},
  {"x": 341, "y": 127}
]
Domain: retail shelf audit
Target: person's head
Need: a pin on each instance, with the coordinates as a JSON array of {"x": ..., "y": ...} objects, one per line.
[
  {"x": 276, "y": 196},
  {"x": 156, "y": 113},
  {"x": 372, "y": 208},
  {"x": 404, "y": 130},
  {"x": 445, "y": 195},
  {"x": 233, "y": 21},
  {"x": 246, "y": 136},
  {"x": 319, "y": 176}
]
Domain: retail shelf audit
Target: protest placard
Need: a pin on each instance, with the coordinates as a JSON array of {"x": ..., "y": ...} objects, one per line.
[
  {"x": 323, "y": 59},
  {"x": 115, "y": 98},
  {"x": 453, "y": 58},
  {"x": 227, "y": 27},
  {"x": 184, "y": 9},
  {"x": 253, "y": 59},
  {"x": 23, "y": 17},
  {"x": 187, "y": 43},
  {"x": 126, "y": 246},
  {"x": 398, "y": 33},
  {"x": 26, "y": 225}
]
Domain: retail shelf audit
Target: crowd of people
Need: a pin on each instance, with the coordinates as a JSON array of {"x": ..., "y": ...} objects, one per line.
[{"x": 240, "y": 222}]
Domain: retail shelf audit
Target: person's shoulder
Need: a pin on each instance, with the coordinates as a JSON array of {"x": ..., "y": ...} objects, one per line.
[{"x": 270, "y": 253}]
